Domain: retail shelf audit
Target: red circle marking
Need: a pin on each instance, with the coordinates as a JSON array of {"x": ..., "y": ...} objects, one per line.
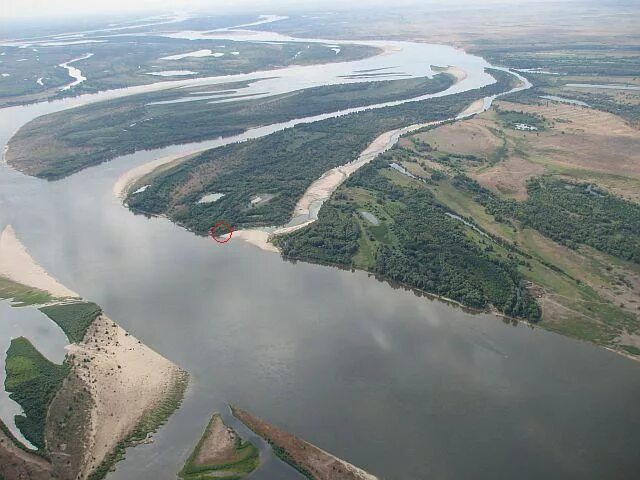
[{"x": 212, "y": 232}]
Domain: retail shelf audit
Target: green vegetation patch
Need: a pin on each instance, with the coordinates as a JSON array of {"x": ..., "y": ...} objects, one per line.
[
  {"x": 571, "y": 214},
  {"x": 61, "y": 143},
  {"x": 239, "y": 463},
  {"x": 22, "y": 295},
  {"x": 520, "y": 120},
  {"x": 334, "y": 238},
  {"x": 73, "y": 318},
  {"x": 32, "y": 381},
  {"x": 416, "y": 244}
]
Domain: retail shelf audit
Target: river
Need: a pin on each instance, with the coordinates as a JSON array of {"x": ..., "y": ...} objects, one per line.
[{"x": 403, "y": 386}]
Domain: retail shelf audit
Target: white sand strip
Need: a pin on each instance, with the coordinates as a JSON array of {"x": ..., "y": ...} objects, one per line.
[{"x": 16, "y": 264}]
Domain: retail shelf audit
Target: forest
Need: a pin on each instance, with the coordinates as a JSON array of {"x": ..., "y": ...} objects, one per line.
[
  {"x": 281, "y": 165},
  {"x": 62, "y": 143},
  {"x": 425, "y": 249}
]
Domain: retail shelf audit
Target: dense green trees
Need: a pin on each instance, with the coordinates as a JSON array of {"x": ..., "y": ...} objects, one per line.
[
  {"x": 31, "y": 381},
  {"x": 281, "y": 165},
  {"x": 570, "y": 213},
  {"x": 427, "y": 249},
  {"x": 73, "y": 318}
]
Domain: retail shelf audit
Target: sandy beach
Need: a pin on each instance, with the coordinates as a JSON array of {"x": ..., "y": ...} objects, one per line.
[
  {"x": 126, "y": 380},
  {"x": 16, "y": 264},
  {"x": 130, "y": 177},
  {"x": 474, "y": 108}
]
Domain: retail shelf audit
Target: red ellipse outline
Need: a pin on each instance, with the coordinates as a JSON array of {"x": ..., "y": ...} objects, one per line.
[{"x": 212, "y": 232}]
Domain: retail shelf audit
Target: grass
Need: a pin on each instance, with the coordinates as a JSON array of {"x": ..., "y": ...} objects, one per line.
[
  {"x": 32, "y": 381},
  {"x": 244, "y": 460},
  {"x": 150, "y": 423},
  {"x": 73, "y": 318},
  {"x": 22, "y": 295}
]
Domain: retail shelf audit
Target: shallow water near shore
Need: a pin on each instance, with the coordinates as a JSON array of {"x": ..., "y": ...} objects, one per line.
[{"x": 400, "y": 385}]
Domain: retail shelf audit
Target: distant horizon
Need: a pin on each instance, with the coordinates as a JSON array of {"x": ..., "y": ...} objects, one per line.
[{"x": 56, "y": 10}]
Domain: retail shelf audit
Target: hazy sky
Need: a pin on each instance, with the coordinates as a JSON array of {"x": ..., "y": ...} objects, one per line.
[{"x": 48, "y": 8}]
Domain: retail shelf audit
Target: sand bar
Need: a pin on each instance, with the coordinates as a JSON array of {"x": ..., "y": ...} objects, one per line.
[
  {"x": 319, "y": 464},
  {"x": 16, "y": 264}
]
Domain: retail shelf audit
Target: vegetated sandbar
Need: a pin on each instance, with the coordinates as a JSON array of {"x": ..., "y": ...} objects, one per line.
[
  {"x": 131, "y": 388},
  {"x": 310, "y": 460},
  {"x": 123, "y": 185},
  {"x": 220, "y": 453}
]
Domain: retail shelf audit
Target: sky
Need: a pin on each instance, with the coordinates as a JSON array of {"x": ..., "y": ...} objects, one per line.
[{"x": 21, "y": 9}]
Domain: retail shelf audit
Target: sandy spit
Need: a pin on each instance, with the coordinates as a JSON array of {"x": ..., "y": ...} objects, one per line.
[
  {"x": 126, "y": 380},
  {"x": 130, "y": 177},
  {"x": 16, "y": 264},
  {"x": 321, "y": 464},
  {"x": 474, "y": 108}
]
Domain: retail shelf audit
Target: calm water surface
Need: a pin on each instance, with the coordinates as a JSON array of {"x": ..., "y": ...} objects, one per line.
[{"x": 406, "y": 387}]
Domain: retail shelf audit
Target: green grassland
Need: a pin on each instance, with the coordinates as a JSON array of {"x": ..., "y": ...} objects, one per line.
[
  {"x": 590, "y": 64},
  {"x": 244, "y": 460},
  {"x": 56, "y": 145},
  {"x": 31, "y": 381},
  {"x": 281, "y": 165},
  {"x": 73, "y": 318}
]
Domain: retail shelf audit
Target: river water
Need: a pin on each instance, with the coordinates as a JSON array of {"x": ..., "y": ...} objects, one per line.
[{"x": 401, "y": 385}]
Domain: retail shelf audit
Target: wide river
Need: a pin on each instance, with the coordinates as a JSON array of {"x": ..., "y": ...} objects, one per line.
[{"x": 403, "y": 386}]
